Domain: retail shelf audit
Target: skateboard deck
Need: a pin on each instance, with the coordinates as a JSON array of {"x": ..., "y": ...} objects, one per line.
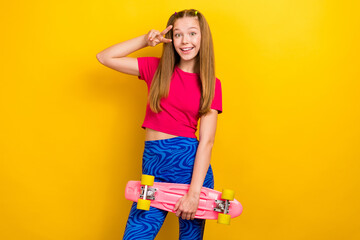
[{"x": 165, "y": 195}]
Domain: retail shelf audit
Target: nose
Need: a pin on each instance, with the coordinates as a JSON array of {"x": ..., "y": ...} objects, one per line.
[{"x": 185, "y": 39}]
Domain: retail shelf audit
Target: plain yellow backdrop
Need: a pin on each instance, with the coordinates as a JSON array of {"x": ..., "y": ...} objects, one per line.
[{"x": 287, "y": 142}]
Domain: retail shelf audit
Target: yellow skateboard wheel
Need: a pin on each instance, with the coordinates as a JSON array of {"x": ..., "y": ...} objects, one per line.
[
  {"x": 224, "y": 218},
  {"x": 147, "y": 180},
  {"x": 143, "y": 204},
  {"x": 228, "y": 194}
]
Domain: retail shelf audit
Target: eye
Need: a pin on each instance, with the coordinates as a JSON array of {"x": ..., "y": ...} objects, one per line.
[{"x": 194, "y": 33}]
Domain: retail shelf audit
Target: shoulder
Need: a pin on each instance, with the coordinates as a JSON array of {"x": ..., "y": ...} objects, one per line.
[
  {"x": 147, "y": 67},
  {"x": 217, "y": 82},
  {"x": 149, "y": 60},
  {"x": 218, "y": 88}
]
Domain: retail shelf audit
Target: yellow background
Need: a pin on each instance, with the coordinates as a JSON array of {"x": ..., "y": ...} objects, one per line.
[{"x": 287, "y": 141}]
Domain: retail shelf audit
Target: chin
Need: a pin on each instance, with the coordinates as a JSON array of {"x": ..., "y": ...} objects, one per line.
[{"x": 188, "y": 57}]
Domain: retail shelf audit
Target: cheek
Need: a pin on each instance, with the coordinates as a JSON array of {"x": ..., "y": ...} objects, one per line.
[
  {"x": 176, "y": 42},
  {"x": 198, "y": 40}
]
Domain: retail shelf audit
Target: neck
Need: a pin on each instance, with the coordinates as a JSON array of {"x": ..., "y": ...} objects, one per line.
[{"x": 189, "y": 66}]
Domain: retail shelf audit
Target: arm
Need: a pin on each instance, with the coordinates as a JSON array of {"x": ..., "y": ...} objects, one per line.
[
  {"x": 124, "y": 48},
  {"x": 115, "y": 56},
  {"x": 187, "y": 205},
  {"x": 203, "y": 153}
]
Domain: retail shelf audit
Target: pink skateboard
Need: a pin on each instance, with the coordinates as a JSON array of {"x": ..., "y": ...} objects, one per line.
[{"x": 212, "y": 205}]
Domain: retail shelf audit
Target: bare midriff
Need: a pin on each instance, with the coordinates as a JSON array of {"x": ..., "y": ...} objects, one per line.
[{"x": 152, "y": 134}]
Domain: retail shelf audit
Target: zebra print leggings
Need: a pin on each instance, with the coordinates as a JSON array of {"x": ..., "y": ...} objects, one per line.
[{"x": 169, "y": 160}]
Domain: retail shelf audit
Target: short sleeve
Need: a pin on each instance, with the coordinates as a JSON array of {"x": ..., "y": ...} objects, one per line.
[
  {"x": 217, "y": 101},
  {"x": 147, "y": 68}
]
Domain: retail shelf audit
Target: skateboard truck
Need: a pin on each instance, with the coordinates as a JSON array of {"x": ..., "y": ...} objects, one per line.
[
  {"x": 148, "y": 191},
  {"x": 222, "y": 206}
]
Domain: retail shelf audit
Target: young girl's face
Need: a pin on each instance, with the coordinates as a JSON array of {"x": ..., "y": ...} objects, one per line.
[{"x": 186, "y": 34}]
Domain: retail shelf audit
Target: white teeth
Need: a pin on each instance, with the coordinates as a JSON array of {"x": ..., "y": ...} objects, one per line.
[{"x": 185, "y": 49}]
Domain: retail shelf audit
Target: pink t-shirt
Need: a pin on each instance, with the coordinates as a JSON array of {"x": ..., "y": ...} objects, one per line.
[{"x": 180, "y": 113}]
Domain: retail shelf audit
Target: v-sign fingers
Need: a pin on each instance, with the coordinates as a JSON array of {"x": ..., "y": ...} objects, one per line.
[
  {"x": 165, "y": 40},
  {"x": 166, "y": 30}
]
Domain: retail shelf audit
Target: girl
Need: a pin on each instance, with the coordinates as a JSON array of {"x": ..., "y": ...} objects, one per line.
[{"x": 182, "y": 87}]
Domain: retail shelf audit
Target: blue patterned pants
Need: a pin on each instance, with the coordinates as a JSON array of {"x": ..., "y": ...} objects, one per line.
[{"x": 169, "y": 160}]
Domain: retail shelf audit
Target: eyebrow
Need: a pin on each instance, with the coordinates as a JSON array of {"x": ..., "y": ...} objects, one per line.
[{"x": 188, "y": 28}]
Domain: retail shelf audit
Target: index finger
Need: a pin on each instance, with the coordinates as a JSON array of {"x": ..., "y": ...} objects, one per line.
[{"x": 166, "y": 30}]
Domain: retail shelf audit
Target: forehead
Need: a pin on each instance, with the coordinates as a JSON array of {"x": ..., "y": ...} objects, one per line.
[{"x": 186, "y": 23}]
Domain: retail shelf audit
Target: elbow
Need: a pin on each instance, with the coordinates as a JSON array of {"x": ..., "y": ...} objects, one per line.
[
  {"x": 207, "y": 142},
  {"x": 99, "y": 58}
]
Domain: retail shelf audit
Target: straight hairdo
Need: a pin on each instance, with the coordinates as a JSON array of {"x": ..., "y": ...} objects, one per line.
[{"x": 161, "y": 82}]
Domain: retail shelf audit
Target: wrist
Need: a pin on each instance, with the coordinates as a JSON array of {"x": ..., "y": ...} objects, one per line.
[
  {"x": 145, "y": 41},
  {"x": 194, "y": 192}
]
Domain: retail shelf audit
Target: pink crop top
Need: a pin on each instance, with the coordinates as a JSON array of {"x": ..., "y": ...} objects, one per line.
[{"x": 180, "y": 109}]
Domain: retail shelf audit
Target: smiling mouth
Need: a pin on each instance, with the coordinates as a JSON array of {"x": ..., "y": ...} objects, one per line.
[{"x": 186, "y": 50}]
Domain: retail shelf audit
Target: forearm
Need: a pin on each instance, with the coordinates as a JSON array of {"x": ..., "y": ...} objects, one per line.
[
  {"x": 201, "y": 166},
  {"x": 124, "y": 48}
]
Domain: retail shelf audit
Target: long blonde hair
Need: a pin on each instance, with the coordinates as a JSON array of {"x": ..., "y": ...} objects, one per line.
[{"x": 161, "y": 82}]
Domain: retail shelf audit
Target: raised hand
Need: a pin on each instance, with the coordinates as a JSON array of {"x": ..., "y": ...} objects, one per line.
[{"x": 154, "y": 37}]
